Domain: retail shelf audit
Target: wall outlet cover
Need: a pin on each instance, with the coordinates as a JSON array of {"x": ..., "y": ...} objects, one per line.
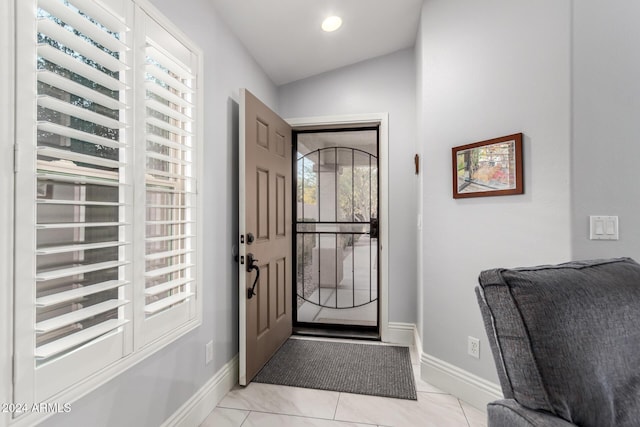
[{"x": 473, "y": 347}]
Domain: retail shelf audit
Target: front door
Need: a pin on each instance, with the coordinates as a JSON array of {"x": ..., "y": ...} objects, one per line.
[{"x": 265, "y": 234}]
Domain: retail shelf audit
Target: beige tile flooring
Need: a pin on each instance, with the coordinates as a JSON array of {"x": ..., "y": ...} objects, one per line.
[{"x": 280, "y": 406}]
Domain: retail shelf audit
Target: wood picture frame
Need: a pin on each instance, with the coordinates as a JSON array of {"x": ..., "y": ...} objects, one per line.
[{"x": 488, "y": 168}]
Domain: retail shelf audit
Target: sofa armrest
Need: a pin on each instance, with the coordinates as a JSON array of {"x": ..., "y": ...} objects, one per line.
[{"x": 509, "y": 413}]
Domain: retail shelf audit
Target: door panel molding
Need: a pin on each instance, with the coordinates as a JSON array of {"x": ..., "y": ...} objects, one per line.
[{"x": 355, "y": 120}]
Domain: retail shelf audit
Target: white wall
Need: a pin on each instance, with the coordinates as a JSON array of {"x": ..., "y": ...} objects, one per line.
[
  {"x": 384, "y": 84},
  {"x": 606, "y": 124},
  {"x": 150, "y": 392},
  {"x": 489, "y": 69}
]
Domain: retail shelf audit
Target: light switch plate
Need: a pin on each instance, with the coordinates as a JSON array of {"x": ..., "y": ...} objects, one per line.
[{"x": 603, "y": 227}]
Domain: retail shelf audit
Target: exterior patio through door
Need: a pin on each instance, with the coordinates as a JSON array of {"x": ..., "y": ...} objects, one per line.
[{"x": 336, "y": 229}]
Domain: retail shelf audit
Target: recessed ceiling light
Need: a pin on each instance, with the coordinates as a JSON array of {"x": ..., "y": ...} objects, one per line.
[{"x": 332, "y": 23}]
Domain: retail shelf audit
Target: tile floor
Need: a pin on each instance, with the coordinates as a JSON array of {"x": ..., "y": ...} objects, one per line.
[{"x": 265, "y": 405}]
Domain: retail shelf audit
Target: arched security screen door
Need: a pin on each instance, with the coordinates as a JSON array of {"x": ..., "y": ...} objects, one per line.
[{"x": 336, "y": 228}]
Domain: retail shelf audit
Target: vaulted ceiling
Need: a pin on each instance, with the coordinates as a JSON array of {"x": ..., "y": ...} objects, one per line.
[{"x": 285, "y": 38}]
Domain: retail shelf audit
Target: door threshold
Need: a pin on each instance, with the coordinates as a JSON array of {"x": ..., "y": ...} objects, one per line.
[{"x": 333, "y": 333}]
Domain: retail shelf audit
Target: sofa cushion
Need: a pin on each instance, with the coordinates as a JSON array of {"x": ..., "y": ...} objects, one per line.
[
  {"x": 509, "y": 413},
  {"x": 569, "y": 338}
]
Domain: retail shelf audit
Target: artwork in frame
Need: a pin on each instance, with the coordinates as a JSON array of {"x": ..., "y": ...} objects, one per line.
[{"x": 488, "y": 168}]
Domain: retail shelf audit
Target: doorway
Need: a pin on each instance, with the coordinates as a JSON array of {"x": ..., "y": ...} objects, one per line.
[
  {"x": 266, "y": 236},
  {"x": 336, "y": 230}
]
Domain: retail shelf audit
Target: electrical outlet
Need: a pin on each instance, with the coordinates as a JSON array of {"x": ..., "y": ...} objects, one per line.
[
  {"x": 473, "y": 347},
  {"x": 208, "y": 349}
]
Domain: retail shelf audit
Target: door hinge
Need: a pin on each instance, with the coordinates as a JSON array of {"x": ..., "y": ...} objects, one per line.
[{"x": 16, "y": 158}]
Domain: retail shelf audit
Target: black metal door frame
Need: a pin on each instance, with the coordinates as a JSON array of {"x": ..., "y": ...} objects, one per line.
[{"x": 329, "y": 327}]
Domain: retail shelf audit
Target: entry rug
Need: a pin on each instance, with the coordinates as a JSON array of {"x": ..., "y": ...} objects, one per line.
[{"x": 376, "y": 370}]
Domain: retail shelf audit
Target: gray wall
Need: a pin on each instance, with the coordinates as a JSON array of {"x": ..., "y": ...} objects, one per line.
[
  {"x": 489, "y": 69},
  {"x": 151, "y": 391},
  {"x": 606, "y": 124},
  {"x": 384, "y": 84}
]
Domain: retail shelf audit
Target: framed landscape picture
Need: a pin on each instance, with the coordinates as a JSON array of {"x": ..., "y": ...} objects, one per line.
[{"x": 488, "y": 168}]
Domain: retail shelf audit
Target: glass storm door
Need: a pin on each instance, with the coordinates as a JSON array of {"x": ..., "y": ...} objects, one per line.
[{"x": 336, "y": 229}]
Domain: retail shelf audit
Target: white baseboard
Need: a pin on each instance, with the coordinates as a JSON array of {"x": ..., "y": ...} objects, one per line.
[
  {"x": 417, "y": 341},
  {"x": 460, "y": 383},
  {"x": 195, "y": 410},
  {"x": 401, "y": 333},
  {"x": 447, "y": 377}
]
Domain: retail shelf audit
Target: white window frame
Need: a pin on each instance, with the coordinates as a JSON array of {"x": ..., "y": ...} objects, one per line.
[
  {"x": 10, "y": 12},
  {"x": 7, "y": 79}
]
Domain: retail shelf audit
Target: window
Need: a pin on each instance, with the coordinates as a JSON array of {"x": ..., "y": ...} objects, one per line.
[{"x": 106, "y": 259}]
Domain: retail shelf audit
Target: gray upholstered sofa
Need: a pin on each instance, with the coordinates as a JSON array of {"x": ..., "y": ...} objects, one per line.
[{"x": 566, "y": 343}]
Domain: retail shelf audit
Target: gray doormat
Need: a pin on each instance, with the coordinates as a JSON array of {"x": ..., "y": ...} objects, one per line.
[{"x": 377, "y": 370}]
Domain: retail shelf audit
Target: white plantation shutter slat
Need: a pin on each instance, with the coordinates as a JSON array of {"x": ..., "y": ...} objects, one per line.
[
  {"x": 157, "y": 173},
  {"x": 168, "y": 126},
  {"x": 167, "y": 302},
  {"x": 79, "y": 112},
  {"x": 74, "y": 294},
  {"x": 75, "y": 65},
  {"x": 167, "y": 286},
  {"x": 74, "y": 248},
  {"x": 166, "y": 142},
  {"x": 167, "y": 254},
  {"x": 77, "y": 179},
  {"x": 84, "y": 158},
  {"x": 170, "y": 222},
  {"x": 79, "y": 45},
  {"x": 167, "y": 158},
  {"x": 78, "y": 315},
  {"x": 152, "y": 188},
  {"x": 77, "y": 202},
  {"x": 176, "y": 206},
  {"x": 168, "y": 111},
  {"x": 81, "y": 269},
  {"x": 70, "y": 341},
  {"x": 167, "y": 238},
  {"x": 59, "y": 225},
  {"x": 64, "y": 83},
  {"x": 78, "y": 134},
  {"x": 167, "y": 270}
]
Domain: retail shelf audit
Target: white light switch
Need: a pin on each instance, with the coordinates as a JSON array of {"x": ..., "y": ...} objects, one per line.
[
  {"x": 603, "y": 227},
  {"x": 599, "y": 227}
]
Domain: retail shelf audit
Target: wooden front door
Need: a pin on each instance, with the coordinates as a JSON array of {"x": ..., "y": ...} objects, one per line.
[{"x": 265, "y": 234}]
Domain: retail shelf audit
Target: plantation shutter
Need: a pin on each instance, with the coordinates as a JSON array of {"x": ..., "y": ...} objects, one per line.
[
  {"x": 170, "y": 183},
  {"x": 80, "y": 251}
]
